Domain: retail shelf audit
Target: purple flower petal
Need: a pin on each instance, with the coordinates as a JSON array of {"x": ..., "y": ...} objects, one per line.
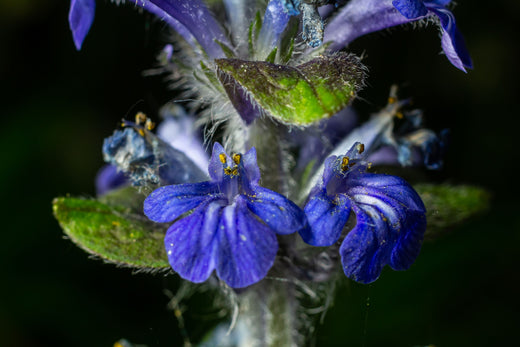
[
  {"x": 192, "y": 242},
  {"x": 167, "y": 203},
  {"x": 109, "y": 178},
  {"x": 247, "y": 248},
  {"x": 215, "y": 164},
  {"x": 326, "y": 217},
  {"x": 180, "y": 132},
  {"x": 411, "y": 9},
  {"x": 364, "y": 248},
  {"x": 390, "y": 226},
  {"x": 276, "y": 18},
  {"x": 360, "y": 17},
  {"x": 81, "y": 16},
  {"x": 195, "y": 17},
  {"x": 275, "y": 210},
  {"x": 452, "y": 42}
]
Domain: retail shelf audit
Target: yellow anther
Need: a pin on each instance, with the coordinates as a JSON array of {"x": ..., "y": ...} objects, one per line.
[
  {"x": 369, "y": 165},
  {"x": 149, "y": 124},
  {"x": 141, "y": 132},
  {"x": 360, "y": 148},
  {"x": 118, "y": 344},
  {"x": 399, "y": 115},
  {"x": 235, "y": 172},
  {"x": 222, "y": 158},
  {"x": 392, "y": 100},
  {"x": 344, "y": 163},
  {"x": 236, "y": 158},
  {"x": 140, "y": 117}
]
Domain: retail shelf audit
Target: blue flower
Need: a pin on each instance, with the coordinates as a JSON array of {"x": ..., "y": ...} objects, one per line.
[
  {"x": 390, "y": 217},
  {"x": 109, "y": 178},
  {"x": 147, "y": 159},
  {"x": 360, "y": 17},
  {"x": 233, "y": 222}
]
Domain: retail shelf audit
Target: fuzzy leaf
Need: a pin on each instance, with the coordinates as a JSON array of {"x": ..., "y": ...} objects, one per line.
[
  {"x": 448, "y": 205},
  {"x": 113, "y": 233},
  {"x": 296, "y": 95}
]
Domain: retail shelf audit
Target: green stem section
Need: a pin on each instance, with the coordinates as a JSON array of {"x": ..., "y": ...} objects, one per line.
[
  {"x": 274, "y": 159},
  {"x": 268, "y": 312}
]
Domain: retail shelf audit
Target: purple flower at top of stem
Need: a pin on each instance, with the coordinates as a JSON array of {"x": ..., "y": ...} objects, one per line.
[
  {"x": 233, "y": 222},
  {"x": 390, "y": 217},
  {"x": 360, "y": 17}
]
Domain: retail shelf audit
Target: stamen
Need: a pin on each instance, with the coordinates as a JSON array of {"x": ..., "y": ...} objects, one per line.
[
  {"x": 392, "y": 100},
  {"x": 344, "y": 163},
  {"x": 360, "y": 148},
  {"x": 149, "y": 124},
  {"x": 140, "y": 117},
  {"x": 237, "y": 158},
  {"x": 222, "y": 158},
  {"x": 141, "y": 132},
  {"x": 399, "y": 115}
]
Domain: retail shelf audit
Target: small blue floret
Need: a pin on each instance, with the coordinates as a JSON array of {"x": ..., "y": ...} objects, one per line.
[{"x": 390, "y": 217}]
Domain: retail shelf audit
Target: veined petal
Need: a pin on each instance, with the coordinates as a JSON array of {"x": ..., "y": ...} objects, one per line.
[
  {"x": 275, "y": 210},
  {"x": 390, "y": 226},
  {"x": 326, "y": 216},
  {"x": 247, "y": 248},
  {"x": 367, "y": 248},
  {"x": 452, "y": 42},
  {"x": 81, "y": 16},
  {"x": 388, "y": 185},
  {"x": 191, "y": 243},
  {"x": 408, "y": 243},
  {"x": 167, "y": 203}
]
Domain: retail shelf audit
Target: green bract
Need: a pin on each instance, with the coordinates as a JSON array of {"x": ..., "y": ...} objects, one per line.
[{"x": 298, "y": 95}]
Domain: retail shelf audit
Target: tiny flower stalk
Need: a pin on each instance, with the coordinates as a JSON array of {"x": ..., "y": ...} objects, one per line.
[{"x": 286, "y": 197}]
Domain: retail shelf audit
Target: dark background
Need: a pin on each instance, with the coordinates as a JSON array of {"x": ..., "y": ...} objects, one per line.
[{"x": 59, "y": 104}]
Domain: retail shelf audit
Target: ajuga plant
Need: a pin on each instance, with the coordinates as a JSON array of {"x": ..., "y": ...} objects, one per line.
[{"x": 264, "y": 186}]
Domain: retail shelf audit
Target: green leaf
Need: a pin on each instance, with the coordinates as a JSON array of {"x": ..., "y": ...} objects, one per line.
[
  {"x": 113, "y": 233},
  {"x": 448, "y": 205},
  {"x": 296, "y": 95}
]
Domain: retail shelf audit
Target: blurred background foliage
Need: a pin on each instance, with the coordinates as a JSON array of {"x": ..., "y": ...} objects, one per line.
[{"x": 59, "y": 104}]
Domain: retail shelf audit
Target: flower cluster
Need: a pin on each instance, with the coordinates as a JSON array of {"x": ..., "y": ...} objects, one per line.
[{"x": 276, "y": 80}]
